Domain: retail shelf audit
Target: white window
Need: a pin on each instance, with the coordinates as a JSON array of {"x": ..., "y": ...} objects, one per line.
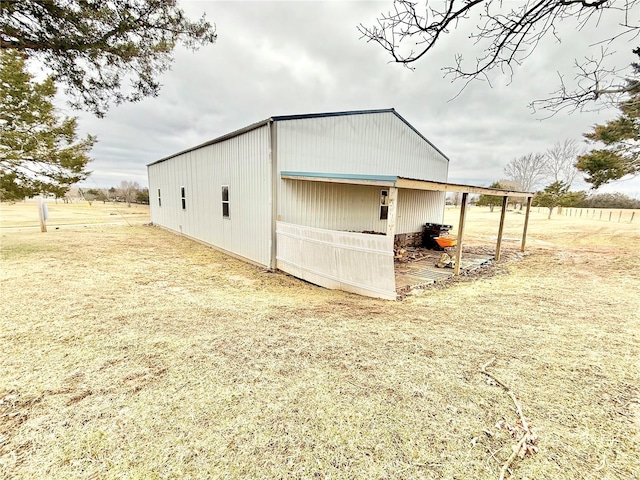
[
  {"x": 384, "y": 204},
  {"x": 225, "y": 201},
  {"x": 159, "y": 199},
  {"x": 184, "y": 198}
]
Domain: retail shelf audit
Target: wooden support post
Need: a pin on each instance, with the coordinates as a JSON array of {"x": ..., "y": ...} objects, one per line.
[
  {"x": 526, "y": 224},
  {"x": 463, "y": 216},
  {"x": 41, "y": 213},
  {"x": 501, "y": 229},
  {"x": 392, "y": 211}
]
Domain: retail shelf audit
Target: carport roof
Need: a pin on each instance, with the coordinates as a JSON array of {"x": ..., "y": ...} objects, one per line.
[{"x": 400, "y": 182}]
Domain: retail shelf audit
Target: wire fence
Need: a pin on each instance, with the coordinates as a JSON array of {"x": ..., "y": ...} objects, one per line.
[{"x": 619, "y": 215}]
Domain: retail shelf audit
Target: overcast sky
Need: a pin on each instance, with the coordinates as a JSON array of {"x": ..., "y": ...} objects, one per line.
[{"x": 280, "y": 58}]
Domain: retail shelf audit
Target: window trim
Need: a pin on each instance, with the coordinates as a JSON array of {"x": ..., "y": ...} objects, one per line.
[
  {"x": 183, "y": 197},
  {"x": 225, "y": 202},
  {"x": 384, "y": 204},
  {"x": 159, "y": 199}
]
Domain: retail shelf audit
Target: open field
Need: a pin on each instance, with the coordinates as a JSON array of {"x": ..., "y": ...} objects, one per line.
[
  {"x": 130, "y": 352},
  {"x": 24, "y": 215}
]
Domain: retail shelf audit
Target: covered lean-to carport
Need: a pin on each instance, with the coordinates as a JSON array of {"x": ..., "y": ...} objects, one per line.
[{"x": 363, "y": 262}]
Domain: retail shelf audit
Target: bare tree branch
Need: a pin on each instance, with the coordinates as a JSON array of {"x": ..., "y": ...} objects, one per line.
[
  {"x": 561, "y": 160},
  {"x": 527, "y": 171},
  {"x": 508, "y": 35}
]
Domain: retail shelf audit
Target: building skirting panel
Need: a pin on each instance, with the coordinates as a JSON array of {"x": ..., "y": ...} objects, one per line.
[{"x": 353, "y": 262}]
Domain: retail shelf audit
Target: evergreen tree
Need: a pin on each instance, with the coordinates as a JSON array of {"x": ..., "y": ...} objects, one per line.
[
  {"x": 102, "y": 51},
  {"x": 490, "y": 200},
  {"x": 557, "y": 195},
  {"x": 621, "y": 139},
  {"x": 39, "y": 152}
]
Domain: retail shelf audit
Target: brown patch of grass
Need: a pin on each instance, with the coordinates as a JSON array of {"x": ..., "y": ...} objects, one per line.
[{"x": 138, "y": 353}]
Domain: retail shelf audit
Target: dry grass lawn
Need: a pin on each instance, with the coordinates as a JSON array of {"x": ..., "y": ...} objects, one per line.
[
  {"x": 131, "y": 352},
  {"x": 24, "y": 215}
]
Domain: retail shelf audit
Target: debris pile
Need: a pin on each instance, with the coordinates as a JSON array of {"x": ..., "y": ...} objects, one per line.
[
  {"x": 446, "y": 261},
  {"x": 409, "y": 254}
]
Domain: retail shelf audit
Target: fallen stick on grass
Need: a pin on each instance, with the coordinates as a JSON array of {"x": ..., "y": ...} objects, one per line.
[{"x": 526, "y": 443}]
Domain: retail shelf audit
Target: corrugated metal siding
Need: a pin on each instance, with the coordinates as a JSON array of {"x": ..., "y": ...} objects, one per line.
[
  {"x": 375, "y": 144},
  {"x": 332, "y": 206},
  {"x": 417, "y": 207},
  {"x": 242, "y": 162},
  {"x": 355, "y": 208}
]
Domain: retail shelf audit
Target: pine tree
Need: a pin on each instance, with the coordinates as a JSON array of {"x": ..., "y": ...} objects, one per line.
[
  {"x": 490, "y": 200},
  {"x": 557, "y": 195},
  {"x": 620, "y": 137},
  {"x": 102, "y": 51},
  {"x": 39, "y": 151}
]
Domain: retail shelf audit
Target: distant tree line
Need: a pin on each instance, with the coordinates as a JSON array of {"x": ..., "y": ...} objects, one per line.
[
  {"x": 127, "y": 192},
  {"x": 608, "y": 200},
  {"x": 557, "y": 194}
]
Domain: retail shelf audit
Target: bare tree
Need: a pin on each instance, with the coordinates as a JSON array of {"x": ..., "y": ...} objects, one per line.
[
  {"x": 507, "y": 34},
  {"x": 128, "y": 191},
  {"x": 561, "y": 161},
  {"x": 455, "y": 198},
  {"x": 526, "y": 171}
]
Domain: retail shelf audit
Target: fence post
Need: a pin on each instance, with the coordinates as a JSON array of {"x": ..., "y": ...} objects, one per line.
[
  {"x": 610, "y": 213},
  {"x": 620, "y": 216},
  {"x": 633, "y": 214}
]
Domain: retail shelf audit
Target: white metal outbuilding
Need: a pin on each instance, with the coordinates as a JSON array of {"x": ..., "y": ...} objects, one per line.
[{"x": 317, "y": 195}]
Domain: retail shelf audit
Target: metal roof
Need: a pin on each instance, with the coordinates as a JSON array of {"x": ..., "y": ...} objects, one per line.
[
  {"x": 330, "y": 114},
  {"x": 235, "y": 133},
  {"x": 283, "y": 118}
]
